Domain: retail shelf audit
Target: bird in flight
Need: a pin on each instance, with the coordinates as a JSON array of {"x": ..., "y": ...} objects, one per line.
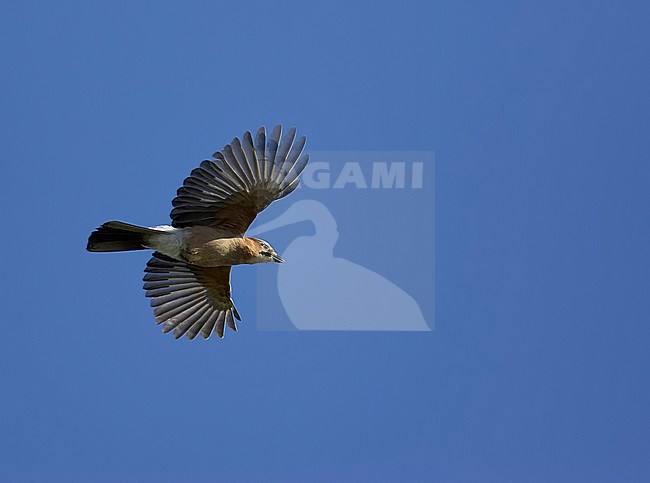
[{"x": 188, "y": 276}]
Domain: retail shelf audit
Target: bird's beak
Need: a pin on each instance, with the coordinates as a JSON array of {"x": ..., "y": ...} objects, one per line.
[{"x": 278, "y": 259}]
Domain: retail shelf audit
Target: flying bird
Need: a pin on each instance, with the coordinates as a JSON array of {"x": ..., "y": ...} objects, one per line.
[{"x": 188, "y": 276}]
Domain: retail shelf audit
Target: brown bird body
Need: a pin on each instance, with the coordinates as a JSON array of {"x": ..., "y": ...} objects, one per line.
[
  {"x": 204, "y": 246},
  {"x": 221, "y": 251},
  {"x": 188, "y": 277}
]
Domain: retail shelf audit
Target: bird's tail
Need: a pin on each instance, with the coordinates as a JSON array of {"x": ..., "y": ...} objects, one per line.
[{"x": 115, "y": 236}]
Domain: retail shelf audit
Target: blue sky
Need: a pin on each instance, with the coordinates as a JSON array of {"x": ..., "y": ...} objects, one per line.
[{"x": 537, "y": 368}]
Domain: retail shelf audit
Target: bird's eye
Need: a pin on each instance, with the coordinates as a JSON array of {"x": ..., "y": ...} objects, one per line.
[{"x": 266, "y": 253}]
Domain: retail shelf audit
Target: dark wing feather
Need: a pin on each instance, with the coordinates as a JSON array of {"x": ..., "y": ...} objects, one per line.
[
  {"x": 187, "y": 299},
  {"x": 245, "y": 177}
]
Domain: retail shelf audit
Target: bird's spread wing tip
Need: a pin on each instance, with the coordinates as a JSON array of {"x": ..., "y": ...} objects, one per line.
[
  {"x": 229, "y": 191},
  {"x": 189, "y": 300}
]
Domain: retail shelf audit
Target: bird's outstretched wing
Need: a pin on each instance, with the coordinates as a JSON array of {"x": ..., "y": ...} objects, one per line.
[
  {"x": 245, "y": 177},
  {"x": 189, "y": 299}
]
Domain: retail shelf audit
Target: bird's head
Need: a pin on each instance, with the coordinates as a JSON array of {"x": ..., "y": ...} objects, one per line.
[{"x": 264, "y": 252}]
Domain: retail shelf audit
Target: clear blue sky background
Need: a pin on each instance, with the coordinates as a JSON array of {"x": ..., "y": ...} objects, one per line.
[{"x": 538, "y": 367}]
